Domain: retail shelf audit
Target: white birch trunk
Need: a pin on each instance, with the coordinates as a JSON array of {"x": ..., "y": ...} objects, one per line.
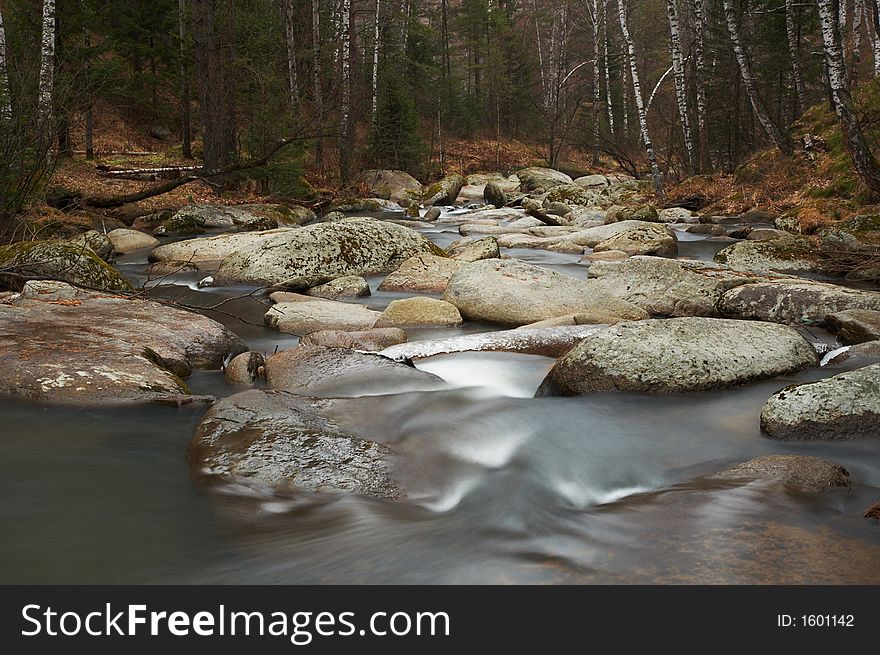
[
  {"x": 630, "y": 50},
  {"x": 47, "y": 61},
  {"x": 596, "y": 20},
  {"x": 608, "y": 104},
  {"x": 841, "y": 9},
  {"x": 540, "y": 54},
  {"x": 749, "y": 83},
  {"x": 858, "y": 15},
  {"x": 288, "y": 14},
  {"x": 345, "y": 102},
  {"x": 5, "y": 100},
  {"x": 680, "y": 91},
  {"x": 875, "y": 35},
  {"x": 375, "y": 80},
  {"x": 794, "y": 55},
  {"x": 700, "y": 76}
]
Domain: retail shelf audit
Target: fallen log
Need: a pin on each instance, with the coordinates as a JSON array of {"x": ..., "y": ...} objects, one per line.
[{"x": 145, "y": 174}]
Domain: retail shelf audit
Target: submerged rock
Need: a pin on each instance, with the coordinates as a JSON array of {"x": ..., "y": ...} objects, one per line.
[
  {"x": 419, "y": 311},
  {"x": 93, "y": 348},
  {"x": 845, "y": 406},
  {"x": 303, "y": 317},
  {"x": 126, "y": 241},
  {"x": 319, "y": 371},
  {"x": 355, "y": 246},
  {"x": 794, "y": 301},
  {"x": 800, "y": 472},
  {"x": 855, "y": 325},
  {"x": 286, "y": 443},
  {"x": 423, "y": 272},
  {"x": 678, "y": 354},
  {"x": 246, "y": 368},
  {"x": 74, "y": 263},
  {"x": 372, "y": 340},
  {"x": 510, "y": 292}
]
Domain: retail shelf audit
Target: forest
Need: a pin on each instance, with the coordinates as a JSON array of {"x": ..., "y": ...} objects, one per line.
[{"x": 440, "y": 291}]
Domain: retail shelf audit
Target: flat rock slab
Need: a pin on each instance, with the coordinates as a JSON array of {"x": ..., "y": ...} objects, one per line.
[
  {"x": 207, "y": 252},
  {"x": 105, "y": 349},
  {"x": 677, "y": 355},
  {"x": 790, "y": 253},
  {"x": 794, "y": 302},
  {"x": 419, "y": 311},
  {"x": 845, "y": 406},
  {"x": 322, "y": 371},
  {"x": 280, "y": 442},
  {"x": 302, "y": 317}
]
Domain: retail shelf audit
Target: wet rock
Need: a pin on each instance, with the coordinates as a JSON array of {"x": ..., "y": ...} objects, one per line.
[
  {"x": 536, "y": 177},
  {"x": 347, "y": 286},
  {"x": 794, "y": 302},
  {"x": 800, "y": 472},
  {"x": 789, "y": 253},
  {"x": 443, "y": 192},
  {"x": 363, "y": 205},
  {"x": 64, "y": 261},
  {"x": 845, "y": 406},
  {"x": 473, "y": 250},
  {"x": 391, "y": 184},
  {"x": 669, "y": 287},
  {"x": 317, "y": 371},
  {"x": 93, "y": 348},
  {"x": 494, "y": 194},
  {"x": 432, "y": 214},
  {"x": 873, "y": 512},
  {"x": 303, "y": 317},
  {"x": 855, "y": 325},
  {"x": 422, "y": 272},
  {"x": 207, "y": 252},
  {"x": 676, "y": 355},
  {"x": 708, "y": 228},
  {"x": 648, "y": 239},
  {"x": 419, "y": 311},
  {"x": 246, "y": 368},
  {"x": 551, "y": 341},
  {"x": 644, "y": 213},
  {"x": 126, "y": 241},
  {"x": 509, "y": 292},
  {"x": 372, "y": 340},
  {"x": 286, "y": 443},
  {"x": 354, "y": 246}
]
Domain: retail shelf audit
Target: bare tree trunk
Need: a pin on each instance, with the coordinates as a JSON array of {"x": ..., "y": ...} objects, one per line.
[
  {"x": 745, "y": 69},
  {"x": 608, "y": 104},
  {"x": 316, "y": 55},
  {"x": 680, "y": 91},
  {"x": 375, "y": 80},
  {"x": 637, "y": 95},
  {"x": 447, "y": 70},
  {"x": 858, "y": 15},
  {"x": 875, "y": 36},
  {"x": 90, "y": 115},
  {"x": 185, "y": 100},
  {"x": 47, "y": 61},
  {"x": 288, "y": 14},
  {"x": 862, "y": 157},
  {"x": 345, "y": 101},
  {"x": 5, "y": 99},
  {"x": 794, "y": 55},
  {"x": 596, "y": 21},
  {"x": 540, "y": 54},
  {"x": 700, "y": 79}
]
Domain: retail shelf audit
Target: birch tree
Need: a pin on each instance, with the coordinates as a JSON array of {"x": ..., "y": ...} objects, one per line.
[
  {"x": 316, "y": 57},
  {"x": 630, "y": 50},
  {"x": 863, "y": 159},
  {"x": 375, "y": 79},
  {"x": 288, "y": 15},
  {"x": 5, "y": 100},
  {"x": 680, "y": 91},
  {"x": 875, "y": 35},
  {"x": 596, "y": 23},
  {"x": 608, "y": 104},
  {"x": 345, "y": 100},
  {"x": 745, "y": 69},
  {"x": 794, "y": 55},
  {"x": 700, "y": 77},
  {"x": 185, "y": 100},
  {"x": 47, "y": 61}
]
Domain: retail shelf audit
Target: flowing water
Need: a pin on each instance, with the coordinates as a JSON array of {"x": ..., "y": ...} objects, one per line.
[{"x": 505, "y": 488}]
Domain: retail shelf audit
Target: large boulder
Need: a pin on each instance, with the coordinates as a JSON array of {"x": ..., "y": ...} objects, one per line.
[
  {"x": 677, "y": 215},
  {"x": 126, "y": 241},
  {"x": 98, "y": 242},
  {"x": 669, "y": 287},
  {"x": 592, "y": 182},
  {"x": 443, "y": 192},
  {"x": 473, "y": 250},
  {"x": 63, "y": 344},
  {"x": 794, "y": 301},
  {"x": 372, "y": 340},
  {"x": 245, "y": 218},
  {"x": 536, "y": 177},
  {"x": 800, "y": 472},
  {"x": 646, "y": 239},
  {"x": 645, "y": 213},
  {"x": 206, "y": 253},
  {"x": 845, "y": 406},
  {"x": 417, "y": 311},
  {"x": 856, "y": 325},
  {"x": 570, "y": 194},
  {"x": 860, "y": 232},
  {"x": 494, "y": 194},
  {"x": 676, "y": 355},
  {"x": 321, "y": 371},
  {"x": 790, "y": 253},
  {"x": 303, "y": 317},
  {"x": 509, "y": 292},
  {"x": 592, "y": 236},
  {"x": 422, "y": 272},
  {"x": 391, "y": 184},
  {"x": 285, "y": 443},
  {"x": 68, "y": 262},
  {"x": 355, "y": 246}
]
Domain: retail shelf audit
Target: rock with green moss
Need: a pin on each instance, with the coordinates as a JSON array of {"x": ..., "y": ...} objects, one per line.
[
  {"x": 72, "y": 346},
  {"x": 283, "y": 215},
  {"x": 99, "y": 243},
  {"x": 857, "y": 233},
  {"x": 364, "y": 205},
  {"x": 354, "y": 246},
  {"x": 494, "y": 194},
  {"x": 185, "y": 222},
  {"x": 571, "y": 194},
  {"x": 59, "y": 260},
  {"x": 788, "y": 222},
  {"x": 391, "y": 184},
  {"x": 647, "y": 213},
  {"x": 443, "y": 192},
  {"x": 788, "y": 253}
]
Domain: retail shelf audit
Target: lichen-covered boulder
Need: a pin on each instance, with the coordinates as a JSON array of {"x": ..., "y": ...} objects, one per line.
[
  {"x": 646, "y": 213},
  {"x": 185, "y": 222},
  {"x": 355, "y": 246},
  {"x": 206, "y": 253},
  {"x": 419, "y": 311},
  {"x": 303, "y": 317},
  {"x": 856, "y": 233},
  {"x": 98, "y": 242},
  {"x": 571, "y": 194},
  {"x": 126, "y": 241},
  {"x": 443, "y": 192},
  {"x": 677, "y": 215},
  {"x": 346, "y": 286},
  {"x": 676, "y": 355},
  {"x": 537, "y": 177},
  {"x": 391, "y": 184},
  {"x": 844, "y": 406},
  {"x": 790, "y": 253},
  {"x": 794, "y": 301},
  {"x": 645, "y": 239},
  {"x": 59, "y": 260},
  {"x": 422, "y": 272},
  {"x": 364, "y": 205},
  {"x": 473, "y": 250},
  {"x": 592, "y": 182}
]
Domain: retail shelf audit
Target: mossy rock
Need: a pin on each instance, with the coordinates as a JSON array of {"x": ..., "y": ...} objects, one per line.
[
  {"x": 788, "y": 221},
  {"x": 68, "y": 262},
  {"x": 859, "y": 232},
  {"x": 645, "y": 213},
  {"x": 570, "y": 194},
  {"x": 787, "y": 253},
  {"x": 747, "y": 174},
  {"x": 182, "y": 223}
]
